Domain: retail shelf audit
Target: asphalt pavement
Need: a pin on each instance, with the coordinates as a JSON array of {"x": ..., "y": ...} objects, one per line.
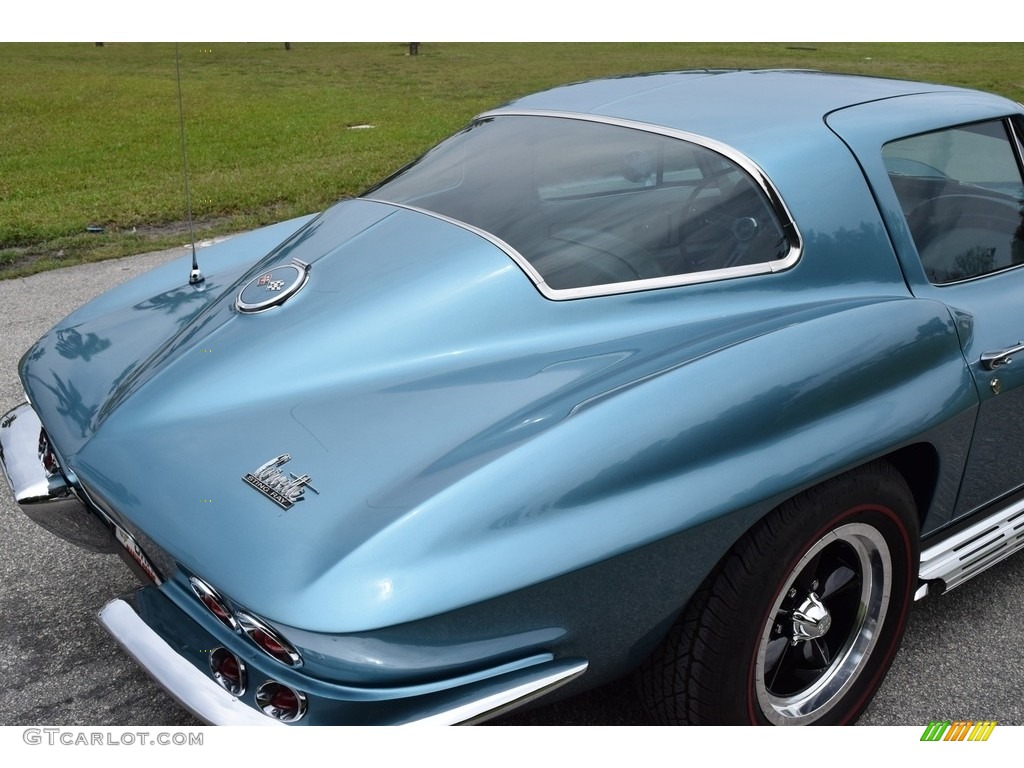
[{"x": 961, "y": 658}]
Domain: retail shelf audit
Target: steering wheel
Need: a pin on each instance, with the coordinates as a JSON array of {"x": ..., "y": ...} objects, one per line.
[{"x": 716, "y": 237}]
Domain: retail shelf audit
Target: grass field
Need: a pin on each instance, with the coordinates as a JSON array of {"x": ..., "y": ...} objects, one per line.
[{"x": 90, "y": 136}]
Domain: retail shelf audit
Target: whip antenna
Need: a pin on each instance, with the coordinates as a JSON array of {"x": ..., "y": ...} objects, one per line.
[{"x": 195, "y": 277}]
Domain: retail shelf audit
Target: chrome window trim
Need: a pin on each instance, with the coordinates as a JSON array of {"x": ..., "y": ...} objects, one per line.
[
  {"x": 671, "y": 281},
  {"x": 494, "y": 240},
  {"x": 974, "y": 279}
]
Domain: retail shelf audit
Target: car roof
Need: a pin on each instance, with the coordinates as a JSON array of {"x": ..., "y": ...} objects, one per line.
[{"x": 748, "y": 109}]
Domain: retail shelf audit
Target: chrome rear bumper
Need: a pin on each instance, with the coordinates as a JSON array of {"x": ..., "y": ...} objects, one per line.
[
  {"x": 125, "y": 619},
  {"x": 40, "y": 487},
  {"x": 194, "y": 690}
]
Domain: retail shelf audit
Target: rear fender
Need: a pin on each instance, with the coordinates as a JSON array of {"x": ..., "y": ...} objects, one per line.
[{"x": 713, "y": 443}]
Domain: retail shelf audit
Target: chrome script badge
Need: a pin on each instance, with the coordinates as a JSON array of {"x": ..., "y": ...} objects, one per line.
[{"x": 282, "y": 489}]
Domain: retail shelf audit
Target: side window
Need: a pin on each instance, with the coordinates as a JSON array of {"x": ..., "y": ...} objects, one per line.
[{"x": 962, "y": 193}]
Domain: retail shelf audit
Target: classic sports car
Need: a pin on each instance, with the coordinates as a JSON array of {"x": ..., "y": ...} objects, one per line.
[{"x": 701, "y": 376}]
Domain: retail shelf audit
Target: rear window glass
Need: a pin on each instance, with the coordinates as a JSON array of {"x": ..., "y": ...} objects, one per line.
[{"x": 590, "y": 204}]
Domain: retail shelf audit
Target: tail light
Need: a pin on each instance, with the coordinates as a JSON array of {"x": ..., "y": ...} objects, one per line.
[
  {"x": 47, "y": 456},
  {"x": 269, "y": 640},
  {"x": 228, "y": 670},
  {"x": 265, "y": 637},
  {"x": 281, "y": 702},
  {"x": 211, "y": 598}
]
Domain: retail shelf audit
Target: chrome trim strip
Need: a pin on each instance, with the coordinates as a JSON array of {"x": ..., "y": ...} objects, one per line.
[
  {"x": 511, "y": 252},
  {"x": 975, "y": 549},
  {"x": 497, "y": 703},
  {"x": 193, "y": 689},
  {"x": 633, "y": 286},
  {"x": 672, "y": 281},
  {"x": 610, "y": 289}
]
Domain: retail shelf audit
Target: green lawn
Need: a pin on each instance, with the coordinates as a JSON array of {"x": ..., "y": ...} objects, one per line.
[{"x": 89, "y": 136}]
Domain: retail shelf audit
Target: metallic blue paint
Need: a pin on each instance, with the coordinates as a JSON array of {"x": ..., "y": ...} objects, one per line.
[{"x": 502, "y": 478}]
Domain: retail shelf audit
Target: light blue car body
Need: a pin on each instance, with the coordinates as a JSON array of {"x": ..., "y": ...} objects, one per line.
[{"x": 507, "y": 483}]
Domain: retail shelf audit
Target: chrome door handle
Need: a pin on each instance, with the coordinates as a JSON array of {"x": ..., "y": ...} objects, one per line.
[{"x": 992, "y": 360}]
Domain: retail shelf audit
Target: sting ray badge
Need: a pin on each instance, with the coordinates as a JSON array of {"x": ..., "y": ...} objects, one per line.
[
  {"x": 273, "y": 287},
  {"x": 285, "y": 490}
]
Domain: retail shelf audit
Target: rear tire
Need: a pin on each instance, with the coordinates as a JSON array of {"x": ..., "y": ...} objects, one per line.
[{"x": 802, "y": 619}]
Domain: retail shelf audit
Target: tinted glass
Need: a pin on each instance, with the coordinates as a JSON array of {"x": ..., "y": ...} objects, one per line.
[
  {"x": 592, "y": 204},
  {"x": 962, "y": 194}
]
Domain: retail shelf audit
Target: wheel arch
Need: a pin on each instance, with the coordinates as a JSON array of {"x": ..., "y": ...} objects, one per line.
[
  {"x": 919, "y": 466},
  {"x": 669, "y": 695}
]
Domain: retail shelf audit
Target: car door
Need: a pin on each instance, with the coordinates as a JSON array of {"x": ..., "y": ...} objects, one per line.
[
  {"x": 961, "y": 191},
  {"x": 952, "y": 194}
]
